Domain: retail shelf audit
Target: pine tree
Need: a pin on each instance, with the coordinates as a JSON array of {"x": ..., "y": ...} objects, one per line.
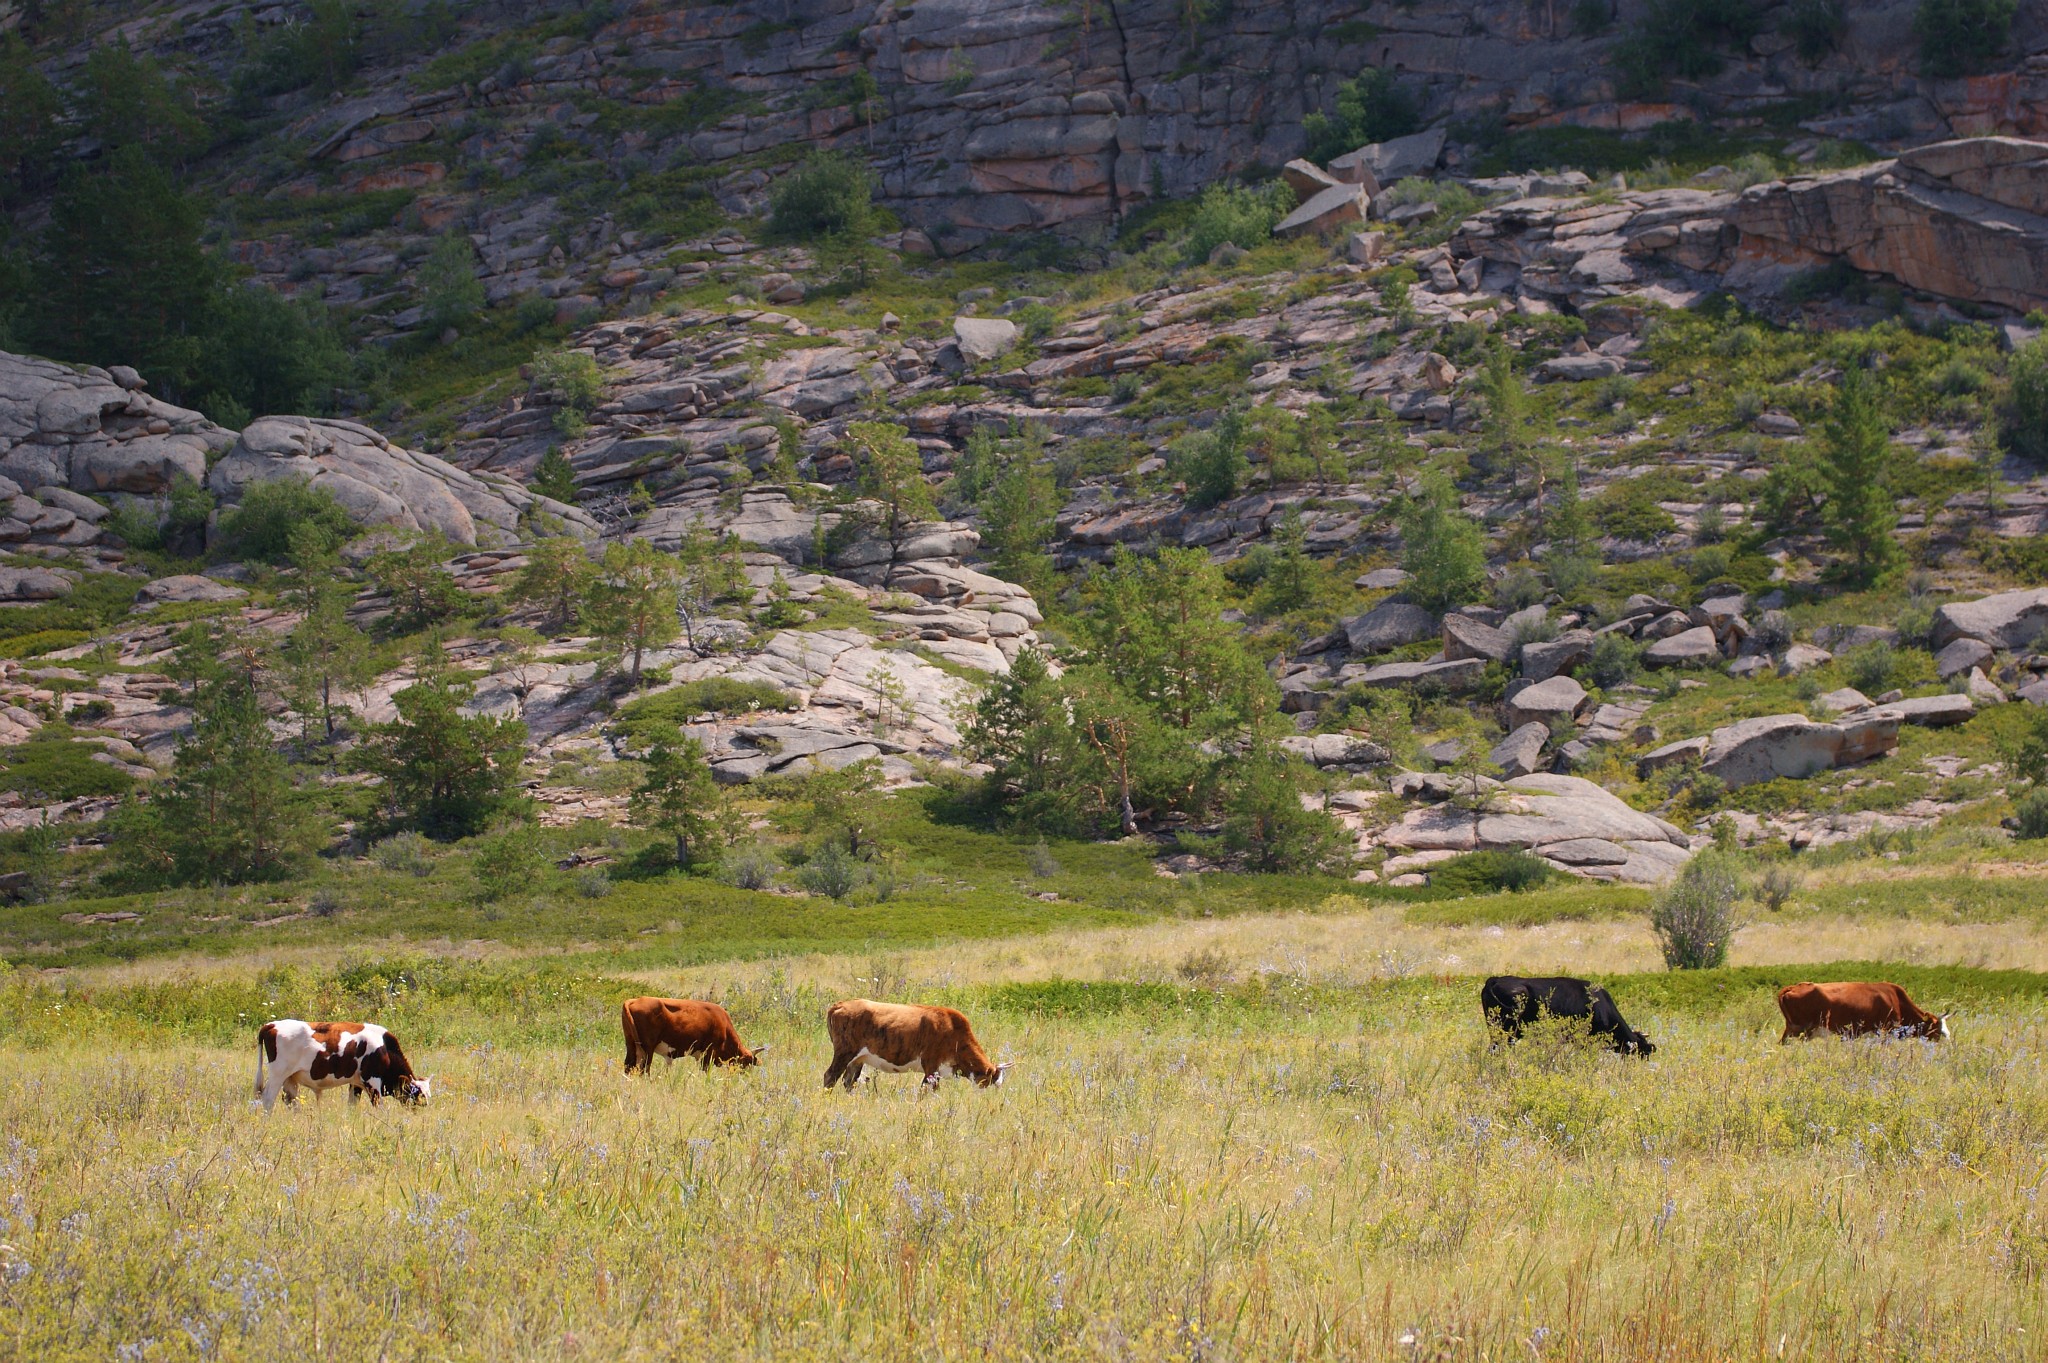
[
  {"x": 445, "y": 772},
  {"x": 677, "y": 793},
  {"x": 1158, "y": 630},
  {"x": 556, "y": 578},
  {"x": 633, "y": 603},
  {"x": 891, "y": 475},
  {"x": 555, "y": 477},
  {"x": 1856, "y": 464},
  {"x": 1443, "y": 549}
]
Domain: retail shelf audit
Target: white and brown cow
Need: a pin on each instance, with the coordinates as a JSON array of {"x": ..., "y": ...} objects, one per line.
[
  {"x": 325, "y": 1055},
  {"x": 898, "y": 1037},
  {"x": 678, "y": 1027}
]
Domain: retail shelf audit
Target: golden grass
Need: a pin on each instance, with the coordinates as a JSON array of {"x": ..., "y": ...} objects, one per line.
[{"x": 1310, "y": 1189}]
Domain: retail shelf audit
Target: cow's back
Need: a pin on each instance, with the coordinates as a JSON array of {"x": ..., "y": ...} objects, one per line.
[
  {"x": 897, "y": 1032},
  {"x": 685, "y": 1026}
]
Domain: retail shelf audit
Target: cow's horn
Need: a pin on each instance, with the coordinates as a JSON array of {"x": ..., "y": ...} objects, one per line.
[{"x": 760, "y": 1051}]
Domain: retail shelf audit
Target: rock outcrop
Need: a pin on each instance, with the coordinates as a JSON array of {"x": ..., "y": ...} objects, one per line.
[
  {"x": 1794, "y": 746},
  {"x": 1965, "y": 219},
  {"x": 76, "y": 432},
  {"x": 1577, "y": 826}
]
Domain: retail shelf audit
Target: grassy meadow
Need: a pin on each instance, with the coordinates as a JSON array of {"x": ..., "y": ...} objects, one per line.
[{"x": 1268, "y": 1135}]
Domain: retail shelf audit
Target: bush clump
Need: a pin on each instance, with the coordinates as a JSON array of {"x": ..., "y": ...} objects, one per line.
[
  {"x": 1371, "y": 107},
  {"x": 828, "y": 194},
  {"x": 1491, "y": 873},
  {"x": 1241, "y": 215},
  {"x": 2023, "y": 416},
  {"x": 650, "y": 717},
  {"x": 1694, "y": 917},
  {"x": 272, "y": 511},
  {"x": 409, "y": 853},
  {"x": 1962, "y": 37}
]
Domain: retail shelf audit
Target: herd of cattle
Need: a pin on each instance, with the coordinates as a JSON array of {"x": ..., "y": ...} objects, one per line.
[{"x": 938, "y": 1042}]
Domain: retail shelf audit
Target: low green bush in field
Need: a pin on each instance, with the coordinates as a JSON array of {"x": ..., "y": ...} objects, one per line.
[{"x": 1491, "y": 873}]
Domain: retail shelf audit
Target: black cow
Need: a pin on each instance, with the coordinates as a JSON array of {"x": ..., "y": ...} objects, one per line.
[{"x": 1511, "y": 1003}]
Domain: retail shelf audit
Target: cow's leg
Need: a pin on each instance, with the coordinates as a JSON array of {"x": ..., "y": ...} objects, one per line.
[
  {"x": 931, "y": 1079},
  {"x": 272, "y": 1086},
  {"x": 840, "y": 1060},
  {"x": 853, "y": 1073}
]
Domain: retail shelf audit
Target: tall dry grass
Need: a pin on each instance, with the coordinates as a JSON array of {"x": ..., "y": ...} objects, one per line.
[{"x": 1307, "y": 1187}]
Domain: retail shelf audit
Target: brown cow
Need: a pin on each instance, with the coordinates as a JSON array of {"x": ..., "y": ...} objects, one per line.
[
  {"x": 677, "y": 1027},
  {"x": 896, "y": 1037},
  {"x": 1855, "y": 1008}
]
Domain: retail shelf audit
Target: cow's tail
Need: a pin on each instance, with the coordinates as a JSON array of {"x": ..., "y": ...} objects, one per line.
[{"x": 266, "y": 1049}]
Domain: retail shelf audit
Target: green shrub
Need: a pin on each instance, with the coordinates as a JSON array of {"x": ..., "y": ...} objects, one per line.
[
  {"x": 1242, "y": 215},
  {"x": 1371, "y": 107},
  {"x": 42, "y": 641},
  {"x": 1211, "y": 462},
  {"x": 1962, "y": 37},
  {"x": 52, "y": 767},
  {"x": 749, "y": 868},
  {"x": 1616, "y": 659},
  {"x": 832, "y": 870},
  {"x": 1694, "y": 917},
  {"x": 573, "y": 381},
  {"x": 262, "y": 526},
  {"x": 1442, "y": 548},
  {"x": 640, "y": 722},
  {"x": 407, "y": 852},
  {"x": 1871, "y": 667},
  {"x": 450, "y": 292},
  {"x": 2030, "y": 815},
  {"x": 1491, "y": 873},
  {"x": 1683, "y": 39},
  {"x": 507, "y": 863},
  {"x": 2023, "y": 416},
  {"x": 827, "y": 194}
]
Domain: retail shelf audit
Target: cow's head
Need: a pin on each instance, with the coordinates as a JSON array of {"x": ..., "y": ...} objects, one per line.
[
  {"x": 413, "y": 1089},
  {"x": 989, "y": 1079},
  {"x": 1935, "y": 1028},
  {"x": 1638, "y": 1044},
  {"x": 753, "y": 1057}
]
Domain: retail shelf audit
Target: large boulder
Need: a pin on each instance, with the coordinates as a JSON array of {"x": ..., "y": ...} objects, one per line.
[
  {"x": 382, "y": 484},
  {"x": 1559, "y": 818},
  {"x": 184, "y": 587},
  {"x": 1542, "y": 661},
  {"x": 1688, "y": 648},
  {"x": 1930, "y": 712},
  {"x": 1546, "y": 702},
  {"x": 1521, "y": 752},
  {"x": 1325, "y": 211},
  {"x": 1391, "y": 624},
  {"x": 35, "y": 584},
  {"x": 1397, "y": 158},
  {"x": 2006, "y": 620},
  {"x": 1456, "y": 674},
  {"x": 1793, "y": 746},
  {"x": 1465, "y": 637},
  {"x": 984, "y": 338},
  {"x": 84, "y": 430}
]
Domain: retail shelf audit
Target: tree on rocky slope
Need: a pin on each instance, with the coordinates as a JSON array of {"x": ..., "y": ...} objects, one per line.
[
  {"x": 1265, "y": 820},
  {"x": 229, "y": 811},
  {"x": 423, "y": 592},
  {"x": 557, "y": 574},
  {"x": 325, "y": 656},
  {"x": 891, "y": 477},
  {"x": 676, "y": 794},
  {"x": 1156, "y": 627},
  {"x": 1856, "y": 463},
  {"x": 1443, "y": 549},
  {"x": 632, "y": 602},
  {"x": 445, "y": 772}
]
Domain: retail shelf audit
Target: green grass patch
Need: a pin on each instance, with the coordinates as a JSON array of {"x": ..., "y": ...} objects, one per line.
[{"x": 643, "y": 720}]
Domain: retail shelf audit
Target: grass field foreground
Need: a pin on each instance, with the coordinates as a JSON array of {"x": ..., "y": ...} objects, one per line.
[{"x": 1171, "y": 1172}]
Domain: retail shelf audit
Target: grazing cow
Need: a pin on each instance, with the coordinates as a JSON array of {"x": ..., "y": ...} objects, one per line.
[
  {"x": 1511, "y": 1003},
  {"x": 678, "y": 1027},
  {"x": 325, "y": 1055},
  {"x": 1856, "y": 1008},
  {"x": 895, "y": 1037}
]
